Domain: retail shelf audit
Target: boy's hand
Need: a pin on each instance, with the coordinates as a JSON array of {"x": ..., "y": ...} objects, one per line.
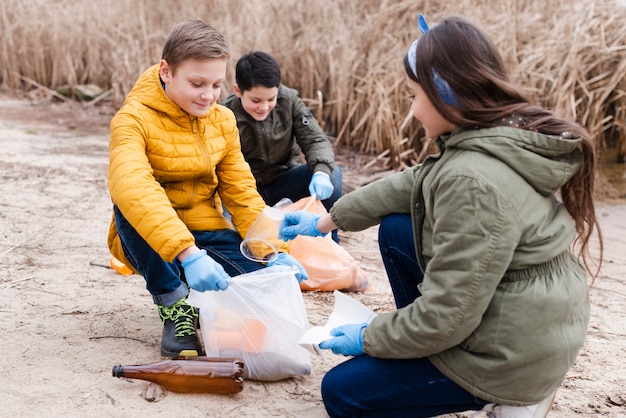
[
  {"x": 320, "y": 185},
  {"x": 203, "y": 273},
  {"x": 284, "y": 259}
]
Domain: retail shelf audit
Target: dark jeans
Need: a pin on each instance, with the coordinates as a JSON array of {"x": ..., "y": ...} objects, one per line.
[
  {"x": 397, "y": 249},
  {"x": 294, "y": 184},
  {"x": 164, "y": 280},
  {"x": 370, "y": 387}
]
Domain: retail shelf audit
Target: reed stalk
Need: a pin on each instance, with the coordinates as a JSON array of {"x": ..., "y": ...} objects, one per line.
[{"x": 570, "y": 55}]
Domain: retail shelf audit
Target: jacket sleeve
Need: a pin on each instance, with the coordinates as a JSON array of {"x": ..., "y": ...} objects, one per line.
[
  {"x": 365, "y": 207},
  {"x": 136, "y": 192},
  {"x": 316, "y": 147},
  {"x": 474, "y": 236}
]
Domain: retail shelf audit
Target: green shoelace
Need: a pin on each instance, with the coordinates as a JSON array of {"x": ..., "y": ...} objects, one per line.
[{"x": 182, "y": 315}]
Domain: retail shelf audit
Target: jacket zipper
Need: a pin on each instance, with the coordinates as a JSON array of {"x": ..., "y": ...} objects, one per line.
[
  {"x": 195, "y": 130},
  {"x": 265, "y": 145}
]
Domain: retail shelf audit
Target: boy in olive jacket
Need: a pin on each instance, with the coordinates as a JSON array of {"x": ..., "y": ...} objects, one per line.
[{"x": 274, "y": 126}]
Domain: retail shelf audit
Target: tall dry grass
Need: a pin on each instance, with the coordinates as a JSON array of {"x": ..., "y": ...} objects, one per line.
[{"x": 344, "y": 56}]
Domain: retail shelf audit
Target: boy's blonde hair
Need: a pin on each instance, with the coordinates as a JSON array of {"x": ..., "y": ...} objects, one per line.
[{"x": 193, "y": 39}]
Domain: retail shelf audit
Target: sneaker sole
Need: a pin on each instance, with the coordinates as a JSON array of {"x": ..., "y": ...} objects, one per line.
[
  {"x": 544, "y": 407},
  {"x": 187, "y": 353}
]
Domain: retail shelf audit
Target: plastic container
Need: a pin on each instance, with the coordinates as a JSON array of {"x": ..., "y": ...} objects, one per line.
[
  {"x": 261, "y": 242},
  {"x": 120, "y": 267}
]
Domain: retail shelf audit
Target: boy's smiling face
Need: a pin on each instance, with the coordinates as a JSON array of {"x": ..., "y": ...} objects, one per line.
[
  {"x": 196, "y": 85},
  {"x": 259, "y": 101}
]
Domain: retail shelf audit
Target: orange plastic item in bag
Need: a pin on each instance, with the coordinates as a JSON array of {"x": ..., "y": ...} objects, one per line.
[
  {"x": 228, "y": 331},
  {"x": 329, "y": 265}
]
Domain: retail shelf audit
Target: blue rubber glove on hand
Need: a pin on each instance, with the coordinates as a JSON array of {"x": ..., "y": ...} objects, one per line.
[
  {"x": 203, "y": 273},
  {"x": 299, "y": 222},
  {"x": 348, "y": 340},
  {"x": 320, "y": 185},
  {"x": 284, "y": 259}
]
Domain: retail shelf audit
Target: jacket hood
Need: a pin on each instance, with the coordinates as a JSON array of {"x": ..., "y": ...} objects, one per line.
[
  {"x": 546, "y": 162},
  {"x": 150, "y": 92}
]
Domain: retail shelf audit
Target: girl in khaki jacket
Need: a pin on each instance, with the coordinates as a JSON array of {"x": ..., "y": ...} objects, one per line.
[{"x": 492, "y": 306}]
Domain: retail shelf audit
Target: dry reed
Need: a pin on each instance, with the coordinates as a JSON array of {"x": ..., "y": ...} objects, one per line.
[{"x": 344, "y": 56}]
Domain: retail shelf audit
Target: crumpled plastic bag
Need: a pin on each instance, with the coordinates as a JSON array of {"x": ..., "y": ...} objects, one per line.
[
  {"x": 259, "y": 319},
  {"x": 329, "y": 266}
]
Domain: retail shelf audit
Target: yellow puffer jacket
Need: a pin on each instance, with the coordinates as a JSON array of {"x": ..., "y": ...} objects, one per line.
[{"x": 167, "y": 168}]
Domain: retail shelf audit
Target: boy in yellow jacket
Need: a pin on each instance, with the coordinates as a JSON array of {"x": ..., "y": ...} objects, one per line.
[{"x": 173, "y": 149}]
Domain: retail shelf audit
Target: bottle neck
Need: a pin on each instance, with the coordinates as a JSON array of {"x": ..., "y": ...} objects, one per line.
[{"x": 118, "y": 370}]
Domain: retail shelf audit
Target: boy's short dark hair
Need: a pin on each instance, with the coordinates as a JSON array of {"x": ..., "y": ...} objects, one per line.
[
  {"x": 193, "y": 39},
  {"x": 257, "y": 68}
]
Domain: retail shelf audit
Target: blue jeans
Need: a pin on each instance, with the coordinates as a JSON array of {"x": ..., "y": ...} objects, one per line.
[
  {"x": 371, "y": 387},
  {"x": 294, "y": 184},
  {"x": 165, "y": 281},
  {"x": 397, "y": 249}
]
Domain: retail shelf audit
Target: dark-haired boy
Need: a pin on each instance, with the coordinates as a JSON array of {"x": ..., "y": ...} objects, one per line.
[{"x": 274, "y": 126}]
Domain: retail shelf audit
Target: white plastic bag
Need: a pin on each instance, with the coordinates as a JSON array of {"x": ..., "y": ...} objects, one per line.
[{"x": 259, "y": 319}]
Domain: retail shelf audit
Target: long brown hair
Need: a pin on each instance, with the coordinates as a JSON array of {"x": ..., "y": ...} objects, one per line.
[{"x": 464, "y": 56}]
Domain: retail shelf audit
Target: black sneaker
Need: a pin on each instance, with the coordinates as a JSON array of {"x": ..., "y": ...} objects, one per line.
[{"x": 179, "y": 330}]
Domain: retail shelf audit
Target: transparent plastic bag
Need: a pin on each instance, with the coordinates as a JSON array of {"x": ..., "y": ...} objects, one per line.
[
  {"x": 328, "y": 264},
  {"x": 259, "y": 319}
]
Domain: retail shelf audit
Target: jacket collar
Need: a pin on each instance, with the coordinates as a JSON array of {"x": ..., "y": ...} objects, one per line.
[
  {"x": 546, "y": 162},
  {"x": 150, "y": 92}
]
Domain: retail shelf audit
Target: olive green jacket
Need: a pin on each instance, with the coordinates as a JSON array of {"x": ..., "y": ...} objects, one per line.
[
  {"x": 273, "y": 146},
  {"x": 504, "y": 307}
]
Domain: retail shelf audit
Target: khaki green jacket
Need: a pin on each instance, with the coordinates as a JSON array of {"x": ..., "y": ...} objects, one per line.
[
  {"x": 504, "y": 308},
  {"x": 273, "y": 146}
]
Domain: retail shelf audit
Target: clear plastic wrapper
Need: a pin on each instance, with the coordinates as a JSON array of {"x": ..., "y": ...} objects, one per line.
[{"x": 260, "y": 319}]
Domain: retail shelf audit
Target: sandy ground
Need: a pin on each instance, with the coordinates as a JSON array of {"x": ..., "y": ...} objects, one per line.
[{"x": 65, "y": 321}]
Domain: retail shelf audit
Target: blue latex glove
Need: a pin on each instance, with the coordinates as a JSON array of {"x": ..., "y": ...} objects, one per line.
[
  {"x": 320, "y": 185},
  {"x": 284, "y": 259},
  {"x": 203, "y": 273},
  {"x": 348, "y": 340},
  {"x": 299, "y": 222}
]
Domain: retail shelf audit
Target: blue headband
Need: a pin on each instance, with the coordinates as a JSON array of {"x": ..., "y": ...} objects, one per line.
[{"x": 445, "y": 91}]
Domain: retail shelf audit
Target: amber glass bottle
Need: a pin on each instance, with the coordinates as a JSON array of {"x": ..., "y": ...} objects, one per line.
[{"x": 196, "y": 374}]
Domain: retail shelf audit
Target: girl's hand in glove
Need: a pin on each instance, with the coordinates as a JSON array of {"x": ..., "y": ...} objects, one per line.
[
  {"x": 299, "y": 222},
  {"x": 348, "y": 340}
]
